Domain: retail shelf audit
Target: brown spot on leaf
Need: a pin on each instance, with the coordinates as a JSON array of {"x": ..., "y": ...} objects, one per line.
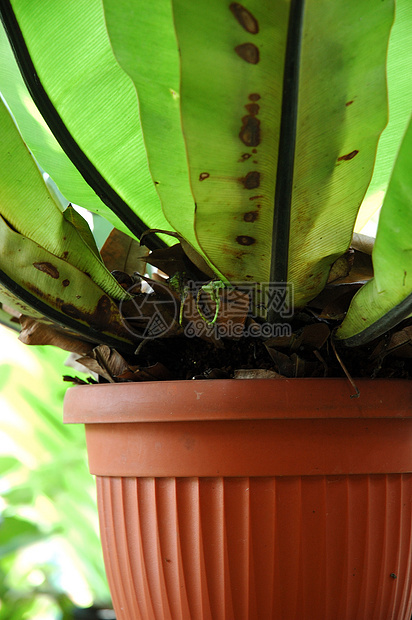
[
  {"x": 250, "y": 132},
  {"x": 253, "y": 109},
  {"x": 256, "y": 197},
  {"x": 47, "y": 268},
  {"x": 251, "y": 180},
  {"x": 254, "y": 97},
  {"x": 254, "y": 150},
  {"x": 99, "y": 319},
  {"x": 244, "y": 17},
  {"x": 350, "y": 155},
  {"x": 349, "y": 103},
  {"x": 65, "y": 255},
  {"x": 66, "y": 282},
  {"x": 203, "y": 176},
  {"x": 245, "y": 240},
  {"x": 251, "y": 216},
  {"x": 248, "y": 52},
  {"x": 245, "y": 156},
  {"x": 72, "y": 311},
  {"x": 34, "y": 289}
]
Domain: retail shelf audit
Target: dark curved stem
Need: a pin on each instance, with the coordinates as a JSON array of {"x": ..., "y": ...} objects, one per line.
[{"x": 286, "y": 154}]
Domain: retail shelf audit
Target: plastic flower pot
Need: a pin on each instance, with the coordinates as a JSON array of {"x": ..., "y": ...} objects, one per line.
[{"x": 253, "y": 499}]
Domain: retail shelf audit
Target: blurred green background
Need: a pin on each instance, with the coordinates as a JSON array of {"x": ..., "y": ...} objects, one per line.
[{"x": 50, "y": 555}]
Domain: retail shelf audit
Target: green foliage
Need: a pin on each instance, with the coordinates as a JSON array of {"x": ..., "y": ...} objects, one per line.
[
  {"x": 387, "y": 298},
  {"x": 49, "y": 542},
  {"x": 252, "y": 131}
]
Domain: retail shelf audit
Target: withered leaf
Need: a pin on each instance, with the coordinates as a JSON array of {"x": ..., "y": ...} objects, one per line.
[
  {"x": 283, "y": 362},
  {"x": 105, "y": 361},
  {"x": 281, "y": 342},
  {"x": 333, "y": 302},
  {"x": 195, "y": 258},
  {"x": 75, "y": 380},
  {"x": 313, "y": 336},
  {"x": 361, "y": 270},
  {"x": 256, "y": 373},
  {"x": 341, "y": 267},
  {"x": 299, "y": 366},
  {"x": 36, "y": 333},
  {"x": 156, "y": 372},
  {"x": 399, "y": 345},
  {"x": 169, "y": 260},
  {"x": 363, "y": 243},
  {"x": 123, "y": 253},
  {"x": 109, "y": 364}
]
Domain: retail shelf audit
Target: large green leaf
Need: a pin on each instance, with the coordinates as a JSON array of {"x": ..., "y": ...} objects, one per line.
[
  {"x": 399, "y": 86},
  {"x": 131, "y": 27},
  {"x": 27, "y": 205},
  {"x": 231, "y": 115},
  {"x": 387, "y": 298},
  {"x": 92, "y": 111}
]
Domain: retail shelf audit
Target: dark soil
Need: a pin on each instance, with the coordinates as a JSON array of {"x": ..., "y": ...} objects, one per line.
[{"x": 193, "y": 358}]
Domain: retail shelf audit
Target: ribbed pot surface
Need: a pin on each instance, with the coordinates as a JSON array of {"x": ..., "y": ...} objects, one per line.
[{"x": 287, "y": 548}]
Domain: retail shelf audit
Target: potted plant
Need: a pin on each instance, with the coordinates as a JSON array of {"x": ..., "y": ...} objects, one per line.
[{"x": 245, "y": 135}]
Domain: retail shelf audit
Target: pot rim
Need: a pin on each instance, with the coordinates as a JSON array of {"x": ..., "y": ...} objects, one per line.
[{"x": 237, "y": 399}]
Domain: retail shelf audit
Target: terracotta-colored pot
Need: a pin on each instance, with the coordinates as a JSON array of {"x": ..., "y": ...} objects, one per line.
[{"x": 253, "y": 499}]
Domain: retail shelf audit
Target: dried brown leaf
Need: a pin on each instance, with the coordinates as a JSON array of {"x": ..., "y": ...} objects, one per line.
[
  {"x": 281, "y": 342},
  {"x": 105, "y": 361},
  {"x": 256, "y": 373},
  {"x": 36, "y": 333},
  {"x": 169, "y": 260},
  {"x": 123, "y": 253},
  {"x": 334, "y": 300},
  {"x": 195, "y": 258},
  {"x": 283, "y": 363},
  {"x": 75, "y": 380},
  {"x": 312, "y": 336},
  {"x": 363, "y": 243},
  {"x": 399, "y": 345},
  {"x": 157, "y": 372},
  {"x": 93, "y": 365},
  {"x": 341, "y": 267},
  {"x": 299, "y": 366}
]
